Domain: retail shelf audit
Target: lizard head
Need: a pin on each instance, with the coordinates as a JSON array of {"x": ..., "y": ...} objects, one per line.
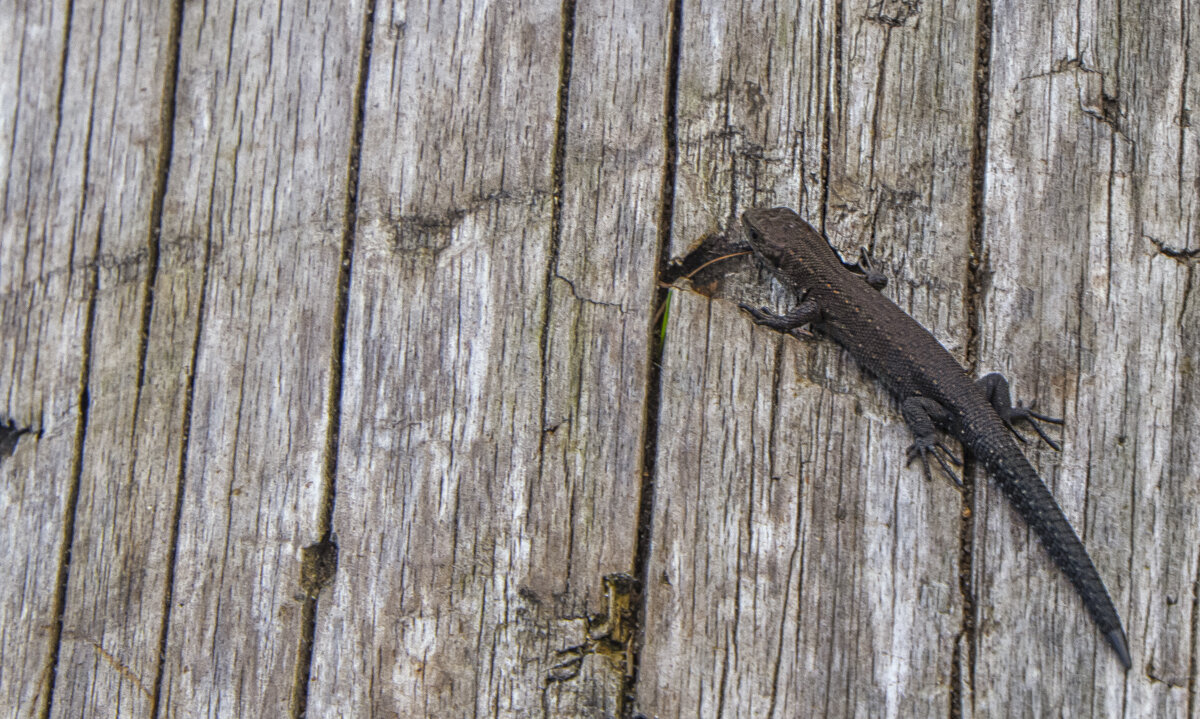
[{"x": 785, "y": 241}]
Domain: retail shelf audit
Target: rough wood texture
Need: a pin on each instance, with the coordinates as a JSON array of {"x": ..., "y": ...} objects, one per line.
[
  {"x": 112, "y": 617},
  {"x": 384, "y": 276},
  {"x": 232, "y": 378},
  {"x": 878, "y": 640},
  {"x": 48, "y": 276},
  {"x": 259, "y": 181},
  {"x": 1092, "y": 164},
  {"x": 496, "y": 364}
]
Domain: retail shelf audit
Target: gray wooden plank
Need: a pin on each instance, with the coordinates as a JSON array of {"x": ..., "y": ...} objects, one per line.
[
  {"x": 109, "y": 649},
  {"x": 79, "y": 119},
  {"x": 865, "y": 608},
  {"x": 255, "y": 214},
  {"x": 496, "y": 364},
  {"x": 496, "y": 360},
  {"x": 790, "y": 573},
  {"x": 755, "y": 80},
  {"x": 901, "y": 139},
  {"x": 1091, "y": 162}
]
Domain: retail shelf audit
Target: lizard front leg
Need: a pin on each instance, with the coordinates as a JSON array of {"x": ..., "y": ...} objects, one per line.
[
  {"x": 804, "y": 313},
  {"x": 922, "y": 414},
  {"x": 996, "y": 388}
]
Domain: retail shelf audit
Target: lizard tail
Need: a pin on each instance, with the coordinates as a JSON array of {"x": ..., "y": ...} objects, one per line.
[{"x": 1032, "y": 499}]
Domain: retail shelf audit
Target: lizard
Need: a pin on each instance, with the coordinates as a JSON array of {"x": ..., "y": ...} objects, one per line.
[{"x": 842, "y": 301}]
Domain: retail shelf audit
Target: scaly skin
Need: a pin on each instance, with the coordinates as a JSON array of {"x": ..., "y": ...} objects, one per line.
[{"x": 932, "y": 387}]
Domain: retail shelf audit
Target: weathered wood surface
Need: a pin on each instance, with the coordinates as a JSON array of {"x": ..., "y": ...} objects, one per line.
[
  {"x": 1092, "y": 161},
  {"x": 826, "y": 576},
  {"x": 496, "y": 354},
  {"x": 82, "y": 122},
  {"x": 384, "y": 276}
]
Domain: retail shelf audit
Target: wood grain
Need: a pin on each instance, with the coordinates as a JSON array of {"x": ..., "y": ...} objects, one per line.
[
  {"x": 259, "y": 182},
  {"x": 478, "y": 408},
  {"x": 81, "y": 137},
  {"x": 1088, "y": 167},
  {"x": 780, "y": 500},
  {"x": 108, "y": 656},
  {"x": 496, "y": 364},
  {"x": 47, "y": 276}
]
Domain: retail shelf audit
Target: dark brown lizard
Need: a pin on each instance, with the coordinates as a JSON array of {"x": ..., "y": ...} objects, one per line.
[{"x": 841, "y": 300}]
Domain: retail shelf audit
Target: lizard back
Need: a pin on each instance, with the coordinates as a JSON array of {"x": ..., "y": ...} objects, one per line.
[{"x": 909, "y": 360}]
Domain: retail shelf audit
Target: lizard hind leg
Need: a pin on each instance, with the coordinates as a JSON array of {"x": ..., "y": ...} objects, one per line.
[
  {"x": 995, "y": 387},
  {"x": 922, "y": 414}
]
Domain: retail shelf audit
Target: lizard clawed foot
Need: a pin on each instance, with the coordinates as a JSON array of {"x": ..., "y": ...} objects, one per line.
[
  {"x": 866, "y": 263},
  {"x": 784, "y": 323},
  {"x": 802, "y": 314},
  {"x": 761, "y": 315},
  {"x": 996, "y": 388},
  {"x": 1021, "y": 412},
  {"x": 922, "y": 447},
  {"x": 867, "y": 268}
]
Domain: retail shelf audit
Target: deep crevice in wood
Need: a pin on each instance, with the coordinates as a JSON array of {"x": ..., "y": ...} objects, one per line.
[
  {"x": 656, "y": 340},
  {"x": 880, "y": 88},
  {"x": 963, "y": 677},
  {"x": 833, "y": 94},
  {"x": 64, "y": 561},
  {"x": 319, "y": 561},
  {"x": 1193, "y": 656},
  {"x": 185, "y": 431},
  {"x": 558, "y": 164},
  {"x": 797, "y": 554},
  {"x": 557, "y": 182},
  {"x": 72, "y": 500},
  {"x": 166, "y": 149}
]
